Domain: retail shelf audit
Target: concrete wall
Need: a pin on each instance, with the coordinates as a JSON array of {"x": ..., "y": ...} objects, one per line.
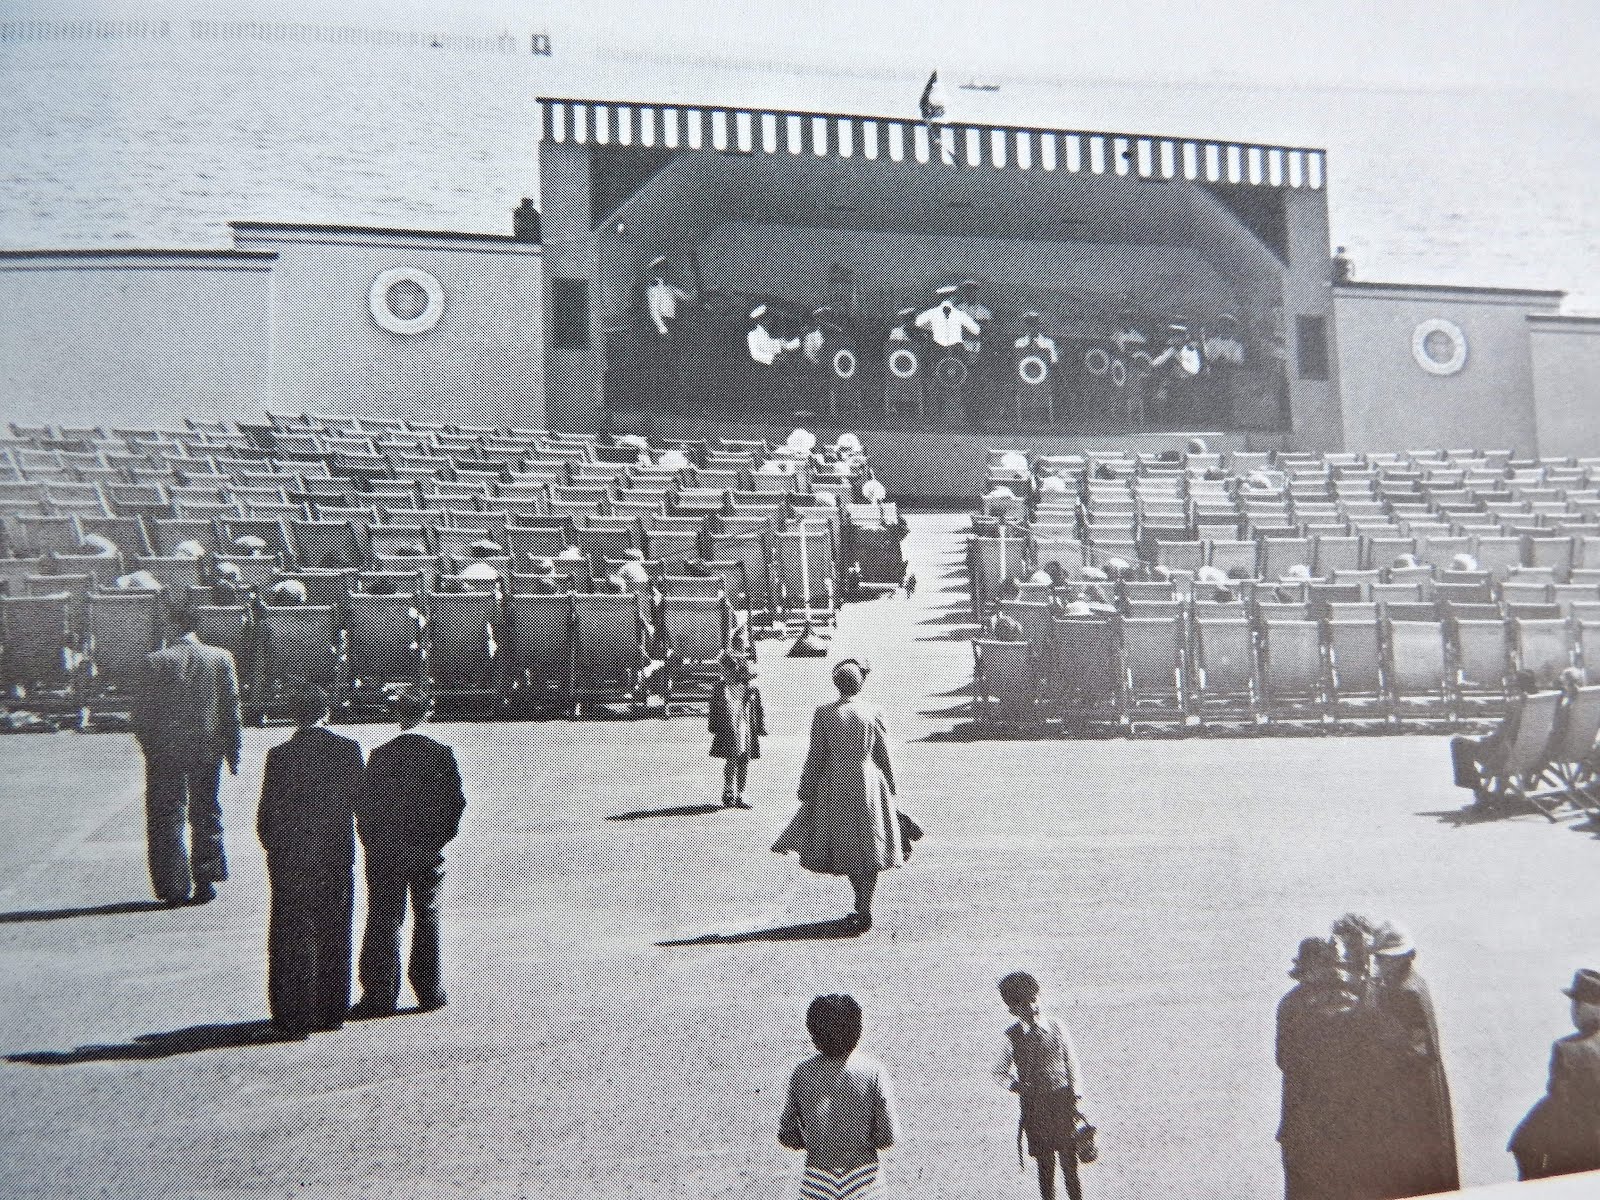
[
  {"x": 1389, "y": 402},
  {"x": 1566, "y": 383},
  {"x": 134, "y": 337},
  {"x": 481, "y": 362},
  {"x": 1315, "y": 416}
]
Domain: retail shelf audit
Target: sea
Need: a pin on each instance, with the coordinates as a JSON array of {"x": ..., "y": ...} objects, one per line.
[{"x": 159, "y": 141}]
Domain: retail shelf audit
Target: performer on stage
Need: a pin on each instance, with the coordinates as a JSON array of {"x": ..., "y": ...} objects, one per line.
[
  {"x": 978, "y": 311},
  {"x": 947, "y": 323},
  {"x": 821, "y": 326},
  {"x": 766, "y": 347},
  {"x": 1034, "y": 339},
  {"x": 663, "y": 299},
  {"x": 903, "y": 325}
]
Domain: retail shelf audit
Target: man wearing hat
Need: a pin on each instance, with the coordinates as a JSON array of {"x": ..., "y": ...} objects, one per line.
[
  {"x": 187, "y": 719},
  {"x": 1416, "y": 1133},
  {"x": 1324, "y": 1050},
  {"x": 1561, "y": 1135}
]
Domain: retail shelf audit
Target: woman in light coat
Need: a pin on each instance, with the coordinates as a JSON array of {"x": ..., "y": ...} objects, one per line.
[{"x": 847, "y": 823}]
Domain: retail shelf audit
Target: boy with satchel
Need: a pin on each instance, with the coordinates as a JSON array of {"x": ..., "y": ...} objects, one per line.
[{"x": 1040, "y": 1065}]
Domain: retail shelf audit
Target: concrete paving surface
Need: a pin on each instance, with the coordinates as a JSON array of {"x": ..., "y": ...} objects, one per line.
[{"x": 628, "y": 965}]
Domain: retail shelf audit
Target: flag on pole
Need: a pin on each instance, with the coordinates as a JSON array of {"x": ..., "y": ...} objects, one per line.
[{"x": 933, "y": 102}]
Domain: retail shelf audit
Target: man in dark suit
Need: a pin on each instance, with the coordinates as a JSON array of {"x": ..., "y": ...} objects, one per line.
[
  {"x": 408, "y": 809},
  {"x": 307, "y": 825},
  {"x": 1561, "y": 1136},
  {"x": 187, "y": 721}
]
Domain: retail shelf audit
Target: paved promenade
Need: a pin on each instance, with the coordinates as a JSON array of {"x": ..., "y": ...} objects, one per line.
[{"x": 1158, "y": 887}]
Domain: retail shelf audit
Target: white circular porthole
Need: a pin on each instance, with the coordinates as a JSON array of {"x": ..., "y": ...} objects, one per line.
[
  {"x": 1439, "y": 346},
  {"x": 406, "y": 300},
  {"x": 903, "y": 363},
  {"x": 1033, "y": 370}
]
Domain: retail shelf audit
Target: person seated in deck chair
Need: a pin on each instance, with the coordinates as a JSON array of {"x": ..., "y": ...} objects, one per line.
[
  {"x": 1464, "y": 562},
  {"x": 228, "y": 587},
  {"x": 1003, "y": 628},
  {"x": 96, "y": 545},
  {"x": 287, "y": 593},
  {"x": 1471, "y": 756},
  {"x": 1405, "y": 562},
  {"x": 137, "y": 581}
]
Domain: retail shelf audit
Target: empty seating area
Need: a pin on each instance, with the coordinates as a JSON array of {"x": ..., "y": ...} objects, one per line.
[
  {"x": 526, "y": 569},
  {"x": 1294, "y": 589}
]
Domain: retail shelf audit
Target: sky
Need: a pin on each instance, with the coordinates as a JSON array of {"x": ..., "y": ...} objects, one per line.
[{"x": 1477, "y": 44}]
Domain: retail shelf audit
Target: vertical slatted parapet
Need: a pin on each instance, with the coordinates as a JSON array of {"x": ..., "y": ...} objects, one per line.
[{"x": 898, "y": 139}]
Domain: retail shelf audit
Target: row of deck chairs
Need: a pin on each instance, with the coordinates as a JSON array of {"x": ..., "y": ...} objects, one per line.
[
  {"x": 1549, "y": 570},
  {"x": 1181, "y": 662},
  {"x": 518, "y": 652}
]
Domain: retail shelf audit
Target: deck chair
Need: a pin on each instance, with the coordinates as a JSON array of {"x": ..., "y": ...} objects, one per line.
[
  {"x": 232, "y": 627},
  {"x": 1543, "y": 646},
  {"x": 294, "y": 647},
  {"x": 1228, "y": 557},
  {"x": 1279, "y": 554},
  {"x": 386, "y": 638},
  {"x": 1482, "y": 661},
  {"x": 467, "y": 647},
  {"x": 990, "y": 562},
  {"x": 1516, "y": 772},
  {"x": 1571, "y": 754},
  {"x": 1067, "y": 552},
  {"x": 1293, "y": 684},
  {"x": 1553, "y": 552},
  {"x": 1355, "y": 661},
  {"x": 527, "y": 541},
  {"x": 1153, "y": 654},
  {"x": 1084, "y": 683},
  {"x": 39, "y": 655},
  {"x": 127, "y": 534},
  {"x": 121, "y": 628},
  {"x": 1005, "y": 682},
  {"x": 542, "y": 650},
  {"x": 269, "y": 529},
  {"x": 1330, "y": 554},
  {"x": 694, "y": 631},
  {"x": 1223, "y": 661},
  {"x": 329, "y": 545},
  {"x": 1498, "y": 555},
  {"x": 609, "y": 648},
  {"x": 805, "y": 587},
  {"x": 1418, "y": 664},
  {"x": 37, "y": 534}
]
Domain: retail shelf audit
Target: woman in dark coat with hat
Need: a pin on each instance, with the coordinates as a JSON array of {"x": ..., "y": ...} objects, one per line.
[
  {"x": 1561, "y": 1135},
  {"x": 1326, "y": 1051},
  {"x": 1419, "y": 1126},
  {"x": 848, "y": 823}
]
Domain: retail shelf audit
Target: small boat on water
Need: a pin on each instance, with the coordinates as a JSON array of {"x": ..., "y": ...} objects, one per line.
[{"x": 972, "y": 85}]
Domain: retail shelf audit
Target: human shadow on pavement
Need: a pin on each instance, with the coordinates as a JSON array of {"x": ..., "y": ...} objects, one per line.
[
  {"x": 681, "y": 810},
  {"x": 93, "y": 910},
  {"x": 1472, "y": 814},
  {"x": 815, "y": 931},
  {"x": 163, "y": 1045}
]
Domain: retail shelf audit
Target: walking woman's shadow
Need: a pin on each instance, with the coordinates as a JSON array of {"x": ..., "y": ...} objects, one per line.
[
  {"x": 815, "y": 931},
  {"x": 162, "y": 1045}
]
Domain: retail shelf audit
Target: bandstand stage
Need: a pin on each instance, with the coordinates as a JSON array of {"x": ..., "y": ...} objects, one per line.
[{"x": 1125, "y": 245}]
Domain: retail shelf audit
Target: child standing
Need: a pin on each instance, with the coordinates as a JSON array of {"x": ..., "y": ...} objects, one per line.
[
  {"x": 839, "y": 1107},
  {"x": 1041, "y": 1066},
  {"x": 738, "y": 723}
]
